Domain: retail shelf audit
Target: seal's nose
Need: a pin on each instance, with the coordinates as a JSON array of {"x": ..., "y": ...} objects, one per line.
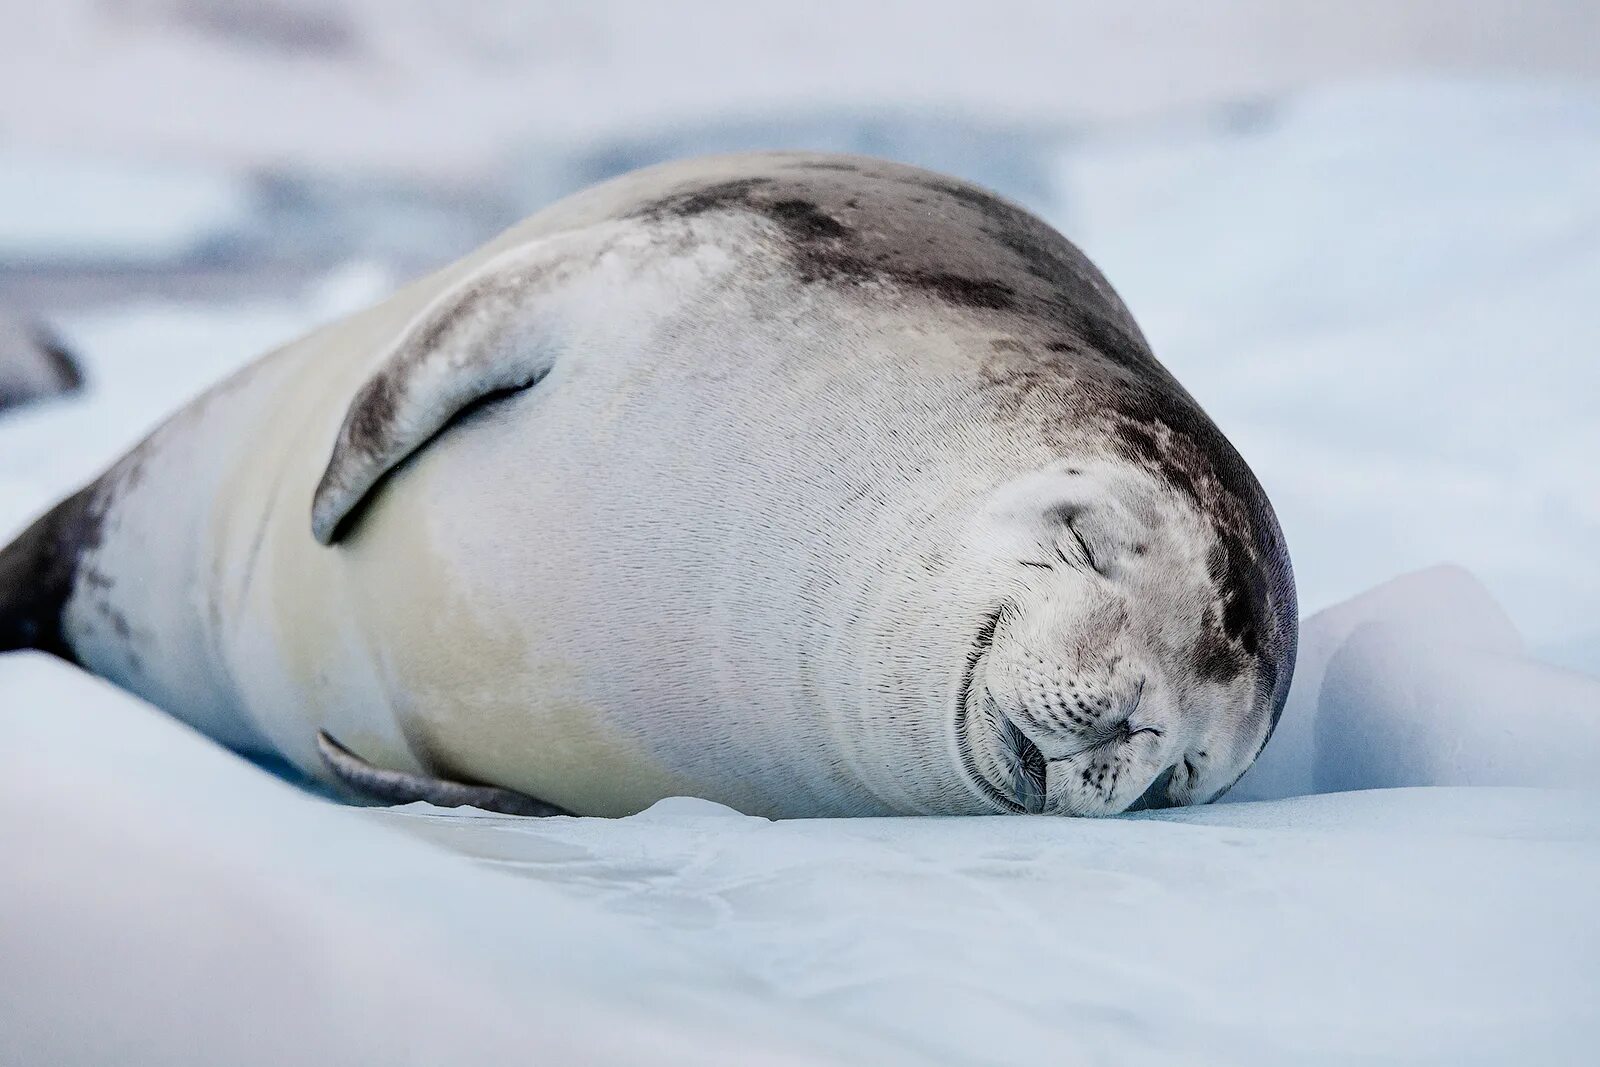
[
  {"x": 1067, "y": 742},
  {"x": 1063, "y": 720}
]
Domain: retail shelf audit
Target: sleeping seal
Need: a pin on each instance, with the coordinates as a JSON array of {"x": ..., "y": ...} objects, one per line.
[{"x": 812, "y": 485}]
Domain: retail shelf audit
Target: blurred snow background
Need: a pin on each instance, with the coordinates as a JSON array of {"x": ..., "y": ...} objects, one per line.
[{"x": 1366, "y": 236}]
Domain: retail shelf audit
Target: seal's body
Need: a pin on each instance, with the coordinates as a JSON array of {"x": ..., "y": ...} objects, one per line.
[{"x": 812, "y": 485}]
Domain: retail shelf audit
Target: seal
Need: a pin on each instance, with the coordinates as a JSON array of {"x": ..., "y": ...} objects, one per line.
[{"x": 807, "y": 484}]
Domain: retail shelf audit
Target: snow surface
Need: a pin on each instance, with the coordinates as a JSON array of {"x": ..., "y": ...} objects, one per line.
[
  {"x": 166, "y": 902},
  {"x": 1386, "y": 298}
]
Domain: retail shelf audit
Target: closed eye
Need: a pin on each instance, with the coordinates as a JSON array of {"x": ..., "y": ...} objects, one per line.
[
  {"x": 1082, "y": 545},
  {"x": 1084, "y": 557}
]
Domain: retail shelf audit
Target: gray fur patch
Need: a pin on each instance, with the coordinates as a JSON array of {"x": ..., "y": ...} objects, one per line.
[{"x": 852, "y": 223}]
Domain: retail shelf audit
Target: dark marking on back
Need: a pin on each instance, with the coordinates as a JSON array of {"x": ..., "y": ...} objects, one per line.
[
  {"x": 720, "y": 196},
  {"x": 805, "y": 222},
  {"x": 1054, "y": 261},
  {"x": 822, "y": 248},
  {"x": 842, "y": 166},
  {"x": 991, "y": 255},
  {"x": 964, "y": 292}
]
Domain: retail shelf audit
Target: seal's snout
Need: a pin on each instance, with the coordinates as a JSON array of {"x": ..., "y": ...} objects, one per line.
[{"x": 1049, "y": 740}]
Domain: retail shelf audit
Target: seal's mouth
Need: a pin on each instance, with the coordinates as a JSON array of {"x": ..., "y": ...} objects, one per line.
[
  {"x": 1008, "y": 769},
  {"x": 1022, "y": 759},
  {"x": 1016, "y": 784}
]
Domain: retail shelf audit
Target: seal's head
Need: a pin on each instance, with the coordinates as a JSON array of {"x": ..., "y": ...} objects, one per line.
[{"x": 1137, "y": 657}]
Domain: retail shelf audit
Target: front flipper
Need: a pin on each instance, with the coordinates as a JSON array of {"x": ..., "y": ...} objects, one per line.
[
  {"x": 494, "y": 333},
  {"x": 401, "y": 787}
]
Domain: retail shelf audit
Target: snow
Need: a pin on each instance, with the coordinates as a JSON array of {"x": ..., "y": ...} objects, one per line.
[
  {"x": 75, "y": 207},
  {"x": 1424, "y": 681},
  {"x": 1445, "y": 925},
  {"x": 1383, "y": 293}
]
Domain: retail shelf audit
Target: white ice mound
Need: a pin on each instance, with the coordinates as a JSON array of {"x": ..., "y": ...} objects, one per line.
[
  {"x": 1397, "y": 709},
  {"x": 1425, "y": 681},
  {"x": 686, "y": 809}
]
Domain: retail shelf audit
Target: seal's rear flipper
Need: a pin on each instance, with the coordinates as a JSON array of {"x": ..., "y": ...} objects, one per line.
[
  {"x": 399, "y": 787},
  {"x": 38, "y": 572}
]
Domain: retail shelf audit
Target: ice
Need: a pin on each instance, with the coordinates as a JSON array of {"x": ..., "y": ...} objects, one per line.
[
  {"x": 1424, "y": 681},
  {"x": 686, "y": 809},
  {"x": 1398, "y": 708},
  {"x": 200, "y": 911},
  {"x": 1420, "y": 925},
  {"x": 1446, "y": 603}
]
